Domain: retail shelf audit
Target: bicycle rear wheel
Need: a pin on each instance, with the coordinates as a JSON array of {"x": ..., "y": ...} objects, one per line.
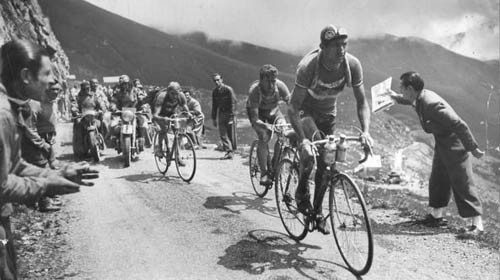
[
  {"x": 350, "y": 224},
  {"x": 161, "y": 153},
  {"x": 185, "y": 157},
  {"x": 255, "y": 172},
  {"x": 286, "y": 182}
]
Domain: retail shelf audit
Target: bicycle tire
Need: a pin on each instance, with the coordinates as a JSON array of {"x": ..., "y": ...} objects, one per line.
[
  {"x": 184, "y": 154},
  {"x": 291, "y": 154},
  {"x": 351, "y": 224},
  {"x": 255, "y": 172},
  {"x": 162, "y": 163},
  {"x": 285, "y": 187}
]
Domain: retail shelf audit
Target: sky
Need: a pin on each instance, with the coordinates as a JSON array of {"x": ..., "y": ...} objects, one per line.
[{"x": 468, "y": 27}]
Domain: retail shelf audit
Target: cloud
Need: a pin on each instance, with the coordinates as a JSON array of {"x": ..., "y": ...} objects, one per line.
[{"x": 294, "y": 25}]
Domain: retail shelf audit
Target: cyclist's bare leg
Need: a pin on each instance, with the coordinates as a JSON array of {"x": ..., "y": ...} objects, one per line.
[
  {"x": 302, "y": 195},
  {"x": 263, "y": 147}
]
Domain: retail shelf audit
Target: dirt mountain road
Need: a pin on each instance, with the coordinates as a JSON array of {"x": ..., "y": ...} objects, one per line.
[{"x": 137, "y": 224}]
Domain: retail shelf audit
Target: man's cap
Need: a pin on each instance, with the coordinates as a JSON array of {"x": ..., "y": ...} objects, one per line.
[
  {"x": 331, "y": 32},
  {"x": 94, "y": 80},
  {"x": 84, "y": 84}
]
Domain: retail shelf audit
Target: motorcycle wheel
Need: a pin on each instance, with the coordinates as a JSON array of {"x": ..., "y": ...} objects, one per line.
[
  {"x": 94, "y": 146},
  {"x": 126, "y": 150}
]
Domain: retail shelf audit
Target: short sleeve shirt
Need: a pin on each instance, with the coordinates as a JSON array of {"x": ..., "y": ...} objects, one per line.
[
  {"x": 256, "y": 99},
  {"x": 169, "y": 102},
  {"x": 322, "y": 96}
]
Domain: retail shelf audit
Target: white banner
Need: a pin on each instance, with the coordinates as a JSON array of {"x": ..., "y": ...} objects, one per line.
[{"x": 111, "y": 79}]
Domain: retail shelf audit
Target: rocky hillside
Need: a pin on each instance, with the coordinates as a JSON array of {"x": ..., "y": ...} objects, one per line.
[{"x": 25, "y": 19}]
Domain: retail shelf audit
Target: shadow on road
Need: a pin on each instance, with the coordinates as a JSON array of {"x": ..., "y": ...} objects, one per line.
[
  {"x": 270, "y": 250},
  {"x": 114, "y": 162},
  {"x": 241, "y": 201},
  {"x": 144, "y": 177}
]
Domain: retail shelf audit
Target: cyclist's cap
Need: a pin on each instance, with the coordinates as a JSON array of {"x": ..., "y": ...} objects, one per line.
[{"x": 331, "y": 32}]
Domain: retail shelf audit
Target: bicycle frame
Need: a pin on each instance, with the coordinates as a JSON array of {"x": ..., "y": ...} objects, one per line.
[{"x": 330, "y": 175}]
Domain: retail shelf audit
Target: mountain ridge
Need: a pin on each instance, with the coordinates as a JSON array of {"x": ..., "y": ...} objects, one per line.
[{"x": 113, "y": 45}]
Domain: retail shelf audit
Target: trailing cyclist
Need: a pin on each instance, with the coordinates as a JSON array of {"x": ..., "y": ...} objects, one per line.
[
  {"x": 321, "y": 76},
  {"x": 263, "y": 109},
  {"x": 167, "y": 103}
]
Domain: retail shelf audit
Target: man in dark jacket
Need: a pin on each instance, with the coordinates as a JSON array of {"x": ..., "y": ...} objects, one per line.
[
  {"x": 223, "y": 107},
  {"x": 451, "y": 166}
]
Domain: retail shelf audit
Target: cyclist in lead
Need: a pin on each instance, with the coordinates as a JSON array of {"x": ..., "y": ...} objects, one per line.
[
  {"x": 262, "y": 108},
  {"x": 322, "y": 75}
]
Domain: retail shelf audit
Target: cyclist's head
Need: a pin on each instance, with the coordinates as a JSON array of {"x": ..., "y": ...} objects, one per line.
[
  {"x": 333, "y": 43},
  {"x": 268, "y": 71},
  {"x": 174, "y": 87},
  {"x": 268, "y": 76}
]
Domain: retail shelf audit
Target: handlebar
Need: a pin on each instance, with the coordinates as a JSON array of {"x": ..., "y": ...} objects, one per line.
[
  {"x": 119, "y": 112},
  {"x": 367, "y": 148}
]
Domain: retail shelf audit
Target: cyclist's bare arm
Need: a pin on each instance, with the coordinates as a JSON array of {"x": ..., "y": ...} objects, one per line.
[
  {"x": 253, "y": 115},
  {"x": 363, "y": 110},
  {"x": 298, "y": 96}
]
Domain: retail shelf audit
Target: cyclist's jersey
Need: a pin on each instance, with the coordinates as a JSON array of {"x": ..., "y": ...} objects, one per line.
[
  {"x": 169, "y": 102},
  {"x": 267, "y": 103},
  {"x": 324, "y": 86}
]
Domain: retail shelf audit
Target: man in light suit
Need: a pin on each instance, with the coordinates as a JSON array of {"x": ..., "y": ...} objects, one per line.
[{"x": 451, "y": 165}]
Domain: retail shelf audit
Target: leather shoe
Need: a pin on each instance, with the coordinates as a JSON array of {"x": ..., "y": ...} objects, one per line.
[
  {"x": 322, "y": 225},
  {"x": 470, "y": 232},
  {"x": 265, "y": 180},
  {"x": 430, "y": 221},
  {"x": 228, "y": 155}
]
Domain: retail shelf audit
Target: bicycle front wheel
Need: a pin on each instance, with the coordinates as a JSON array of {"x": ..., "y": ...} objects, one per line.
[
  {"x": 350, "y": 224},
  {"x": 286, "y": 183},
  {"x": 255, "y": 172},
  {"x": 161, "y": 153},
  {"x": 185, "y": 157}
]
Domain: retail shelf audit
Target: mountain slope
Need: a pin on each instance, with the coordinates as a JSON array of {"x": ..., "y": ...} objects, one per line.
[{"x": 100, "y": 43}]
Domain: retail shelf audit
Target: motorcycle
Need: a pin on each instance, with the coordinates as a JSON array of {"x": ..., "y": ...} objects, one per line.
[
  {"x": 128, "y": 142},
  {"x": 92, "y": 140}
]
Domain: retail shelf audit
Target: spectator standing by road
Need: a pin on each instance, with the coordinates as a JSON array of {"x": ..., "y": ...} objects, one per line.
[
  {"x": 451, "y": 165},
  {"x": 223, "y": 109},
  {"x": 198, "y": 118},
  {"x": 26, "y": 74}
]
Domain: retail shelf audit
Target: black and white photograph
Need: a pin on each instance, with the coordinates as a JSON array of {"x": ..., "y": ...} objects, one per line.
[{"x": 231, "y": 139}]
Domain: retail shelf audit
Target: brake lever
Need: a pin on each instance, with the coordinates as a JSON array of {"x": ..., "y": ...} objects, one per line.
[{"x": 368, "y": 152}]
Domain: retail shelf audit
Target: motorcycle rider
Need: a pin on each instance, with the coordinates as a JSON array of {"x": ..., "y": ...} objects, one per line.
[{"x": 86, "y": 101}]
